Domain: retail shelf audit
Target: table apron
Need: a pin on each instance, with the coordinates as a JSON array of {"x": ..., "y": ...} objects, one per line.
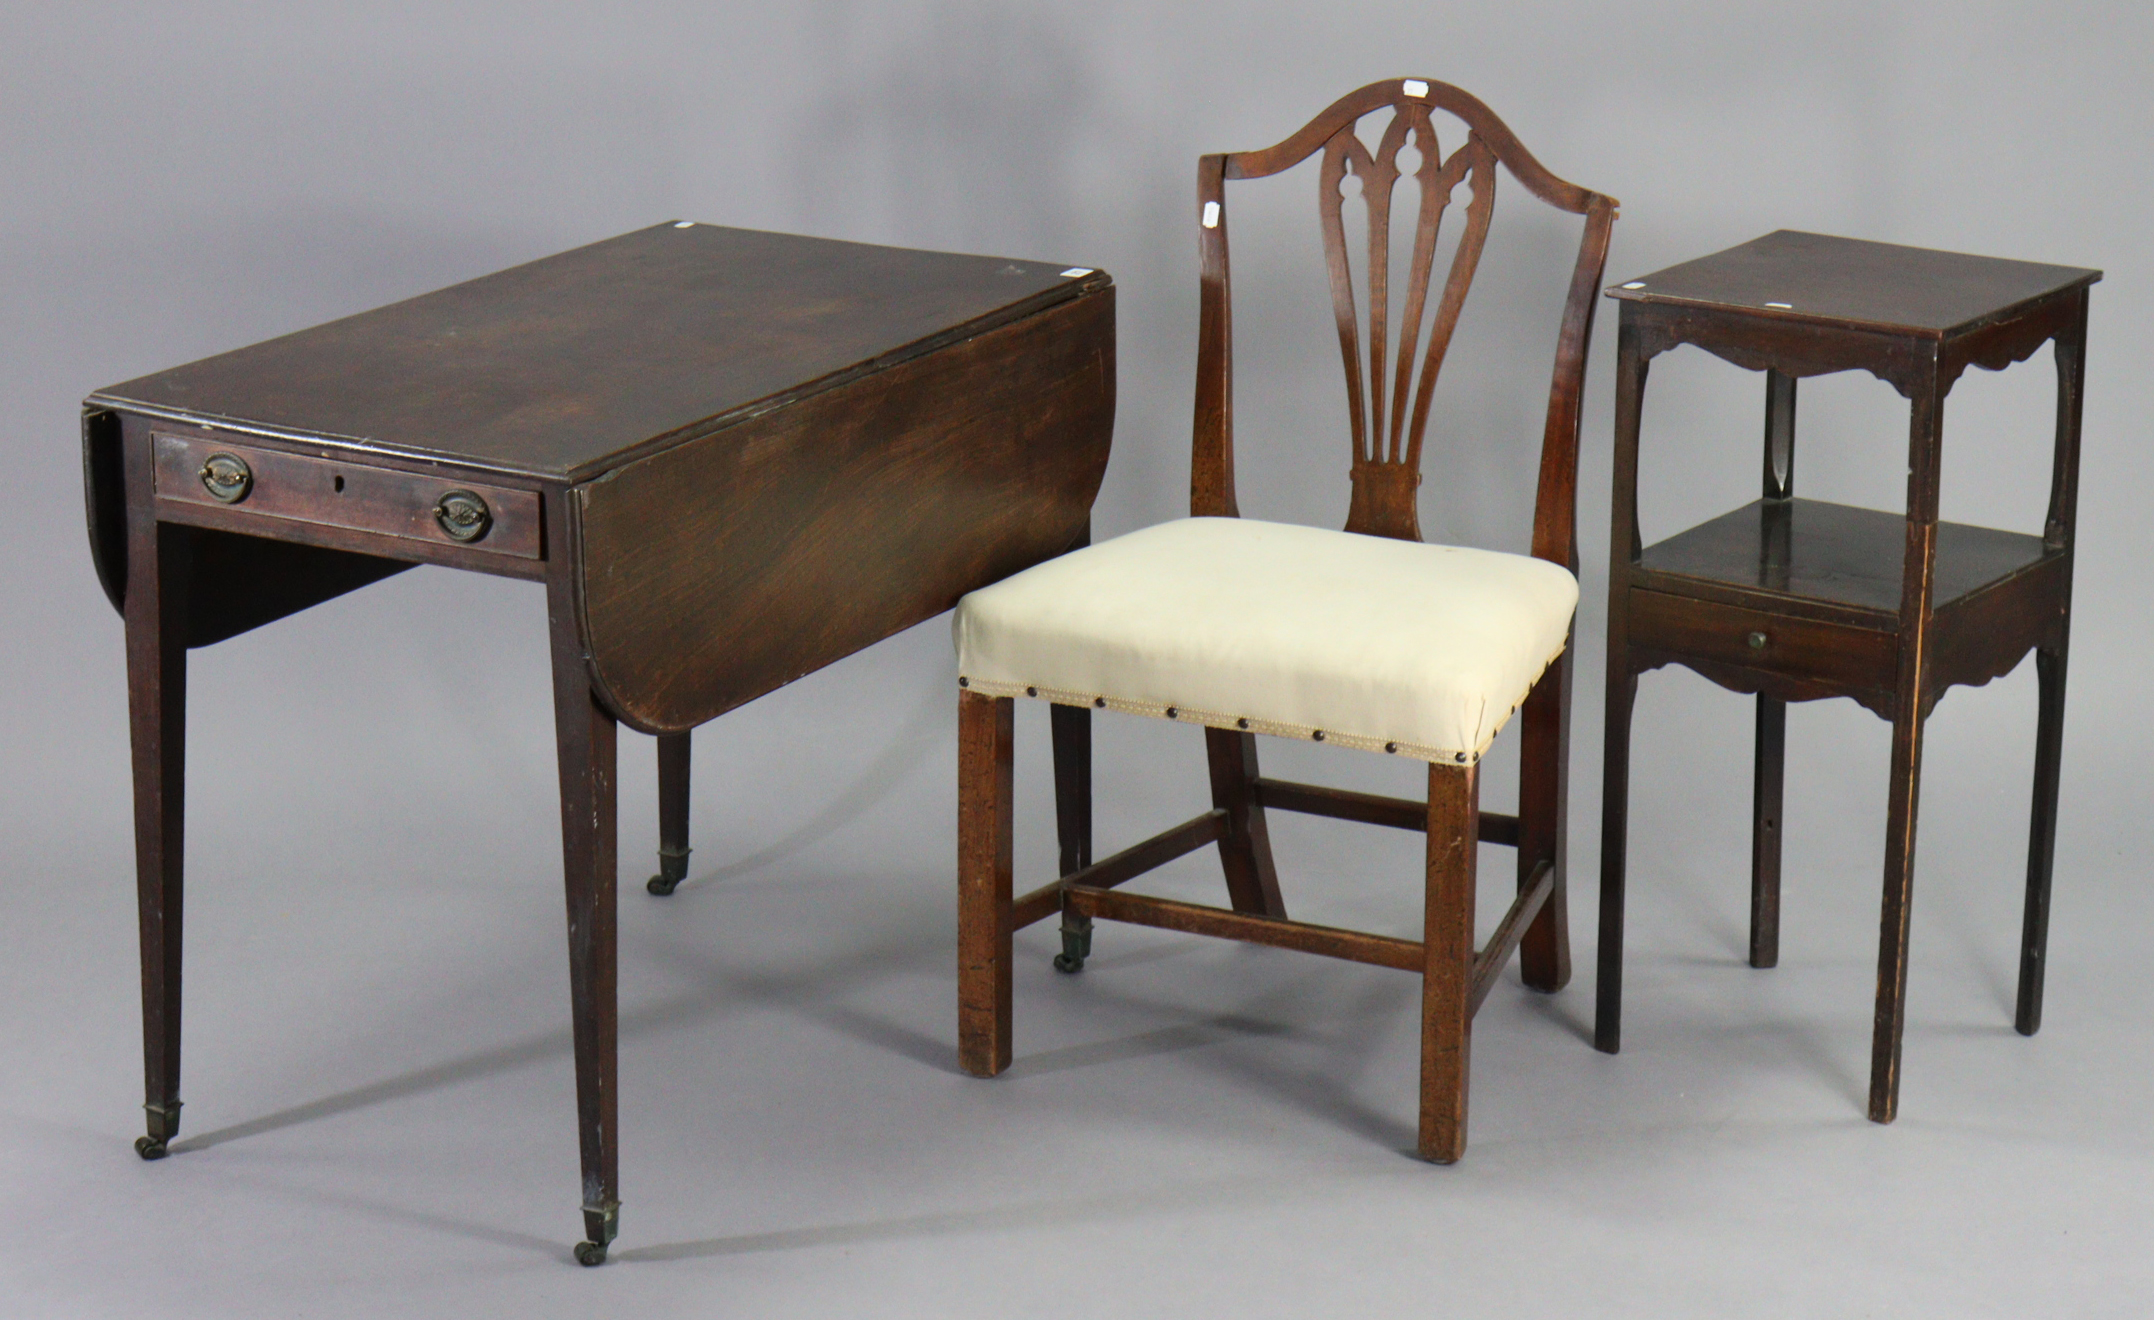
[{"x": 346, "y": 505}]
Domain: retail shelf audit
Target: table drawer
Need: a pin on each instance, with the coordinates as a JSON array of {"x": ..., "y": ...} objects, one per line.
[
  {"x": 1832, "y": 654},
  {"x": 411, "y": 506}
]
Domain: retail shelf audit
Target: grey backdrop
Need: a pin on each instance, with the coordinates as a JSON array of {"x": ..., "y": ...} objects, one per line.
[{"x": 380, "y": 1111}]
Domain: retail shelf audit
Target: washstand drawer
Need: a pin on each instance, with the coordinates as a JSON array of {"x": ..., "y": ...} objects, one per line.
[
  {"x": 1833, "y": 654},
  {"x": 327, "y": 492}
]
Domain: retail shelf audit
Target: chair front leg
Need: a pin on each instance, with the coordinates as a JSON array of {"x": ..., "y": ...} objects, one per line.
[
  {"x": 986, "y": 729},
  {"x": 1544, "y": 757},
  {"x": 1454, "y": 828}
]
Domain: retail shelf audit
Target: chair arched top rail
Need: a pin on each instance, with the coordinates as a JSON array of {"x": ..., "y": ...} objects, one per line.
[{"x": 1468, "y": 108}]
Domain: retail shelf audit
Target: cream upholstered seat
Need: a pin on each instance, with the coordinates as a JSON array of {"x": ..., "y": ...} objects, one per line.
[{"x": 1366, "y": 641}]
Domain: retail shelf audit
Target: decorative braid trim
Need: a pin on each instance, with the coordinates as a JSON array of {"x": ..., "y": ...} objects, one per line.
[{"x": 1217, "y": 720}]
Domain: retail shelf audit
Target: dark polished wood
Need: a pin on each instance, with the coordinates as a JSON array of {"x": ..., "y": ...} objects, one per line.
[
  {"x": 1541, "y": 833},
  {"x": 896, "y": 493},
  {"x": 1789, "y": 277},
  {"x": 585, "y": 740},
  {"x": 1390, "y": 387},
  {"x": 1447, "y": 959},
  {"x": 156, "y": 624},
  {"x": 1071, "y": 732},
  {"x": 325, "y": 493},
  {"x": 1797, "y": 600},
  {"x": 1245, "y": 850},
  {"x": 2050, "y": 665},
  {"x": 1373, "y": 809},
  {"x": 1510, "y": 932},
  {"x": 985, "y": 862},
  {"x": 1126, "y": 865},
  {"x": 1343, "y": 804},
  {"x": 1767, "y": 795},
  {"x": 1832, "y": 561},
  {"x": 1632, "y": 364},
  {"x": 2041, "y": 841},
  {"x": 731, "y": 457},
  {"x": 573, "y": 364},
  {"x": 675, "y": 768},
  {"x": 1250, "y": 927}
]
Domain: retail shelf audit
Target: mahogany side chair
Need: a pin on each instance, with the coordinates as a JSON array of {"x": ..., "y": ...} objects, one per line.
[{"x": 1365, "y": 638}]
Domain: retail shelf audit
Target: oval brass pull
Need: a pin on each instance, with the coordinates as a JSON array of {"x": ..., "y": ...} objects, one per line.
[
  {"x": 227, "y": 478},
  {"x": 463, "y": 515},
  {"x": 1757, "y": 641}
]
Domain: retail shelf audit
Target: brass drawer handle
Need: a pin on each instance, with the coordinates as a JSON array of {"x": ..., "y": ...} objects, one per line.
[
  {"x": 227, "y": 478},
  {"x": 1757, "y": 641},
  {"x": 463, "y": 515}
]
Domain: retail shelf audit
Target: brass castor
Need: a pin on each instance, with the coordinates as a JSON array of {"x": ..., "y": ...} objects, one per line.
[
  {"x": 592, "y": 1253},
  {"x": 672, "y": 869},
  {"x": 150, "y": 1148},
  {"x": 1076, "y": 944}
]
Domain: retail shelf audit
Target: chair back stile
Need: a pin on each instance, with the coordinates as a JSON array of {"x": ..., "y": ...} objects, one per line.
[{"x": 1380, "y": 378}]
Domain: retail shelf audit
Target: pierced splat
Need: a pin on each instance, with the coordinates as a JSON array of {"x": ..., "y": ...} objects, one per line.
[
  {"x": 1389, "y": 392},
  {"x": 1387, "y": 447}
]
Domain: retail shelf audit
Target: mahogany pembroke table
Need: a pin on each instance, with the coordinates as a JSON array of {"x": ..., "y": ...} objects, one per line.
[{"x": 732, "y": 457}]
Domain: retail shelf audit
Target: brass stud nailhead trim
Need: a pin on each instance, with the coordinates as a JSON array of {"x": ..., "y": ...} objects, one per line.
[{"x": 1222, "y": 721}]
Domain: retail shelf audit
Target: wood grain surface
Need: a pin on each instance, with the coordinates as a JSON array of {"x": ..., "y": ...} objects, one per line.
[
  {"x": 569, "y": 365},
  {"x": 721, "y": 569}
]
